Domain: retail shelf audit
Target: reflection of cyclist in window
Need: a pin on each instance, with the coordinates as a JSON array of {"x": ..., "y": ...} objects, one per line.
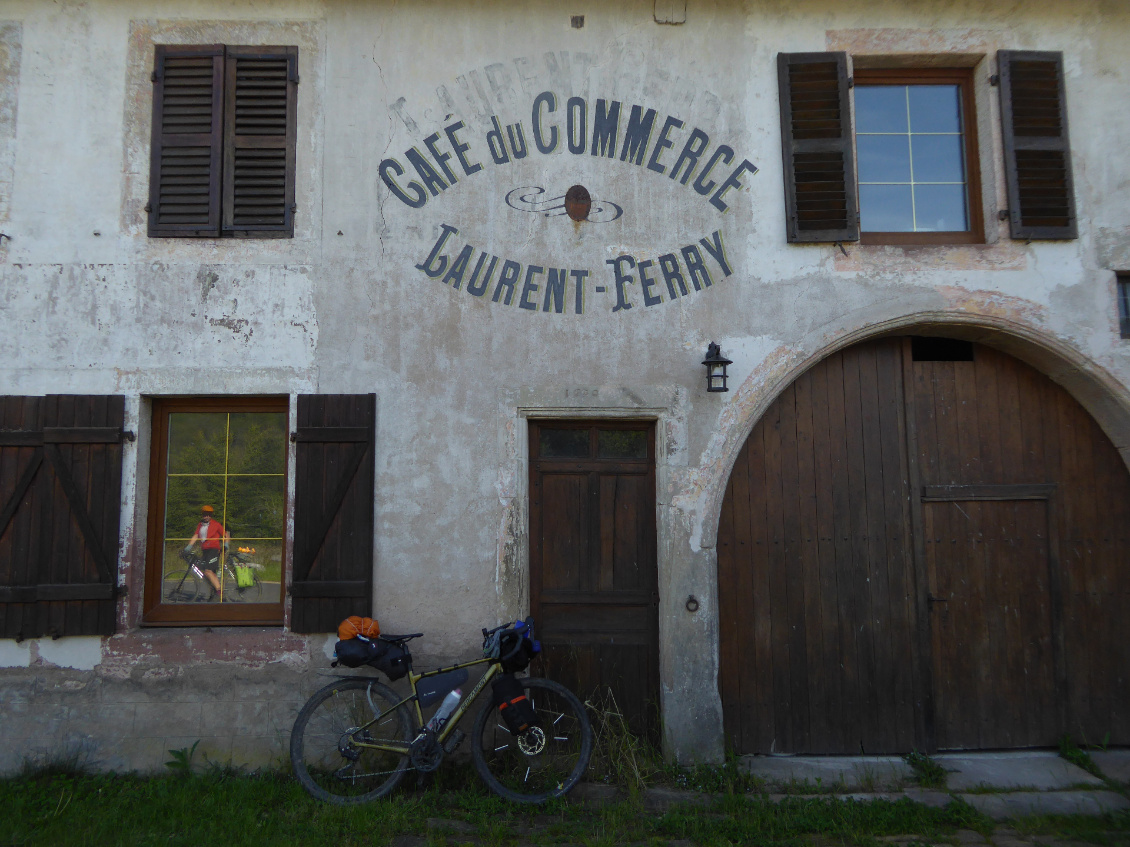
[{"x": 213, "y": 538}]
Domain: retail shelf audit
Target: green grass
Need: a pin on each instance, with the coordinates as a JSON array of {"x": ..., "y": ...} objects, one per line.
[
  {"x": 217, "y": 806},
  {"x": 727, "y": 778},
  {"x": 1112, "y": 829}
]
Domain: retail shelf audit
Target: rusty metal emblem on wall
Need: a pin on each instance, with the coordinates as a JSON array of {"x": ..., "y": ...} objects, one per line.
[{"x": 577, "y": 203}]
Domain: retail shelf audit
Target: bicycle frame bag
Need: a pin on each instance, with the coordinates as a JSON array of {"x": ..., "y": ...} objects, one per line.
[
  {"x": 432, "y": 689},
  {"x": 512, "y": 703}
]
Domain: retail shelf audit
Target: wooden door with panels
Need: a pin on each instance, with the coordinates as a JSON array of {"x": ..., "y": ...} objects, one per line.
[
  {"x": 923, "y": 545},
  {"x": 593, "y": 568},
  {"x": 993, "y": 592}
]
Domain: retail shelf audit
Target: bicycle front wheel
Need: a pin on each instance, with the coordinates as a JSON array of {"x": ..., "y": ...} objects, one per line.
[
  {"x": 327, "y": 743},
  {"x": 546, "y": 760},
  {"x": 180, "y": 587}
]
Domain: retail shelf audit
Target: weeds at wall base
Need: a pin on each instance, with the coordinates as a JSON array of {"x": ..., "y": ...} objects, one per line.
[
  {"x": 1073, "y": 753},
  {"x": 926, "y": 770}
]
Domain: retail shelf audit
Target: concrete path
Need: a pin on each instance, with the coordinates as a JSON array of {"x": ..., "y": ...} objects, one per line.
[
  {"x": 1001, "y": 785},
  {"x": 1035, "y": 770},
  {"x": 1115, "y": 765}
]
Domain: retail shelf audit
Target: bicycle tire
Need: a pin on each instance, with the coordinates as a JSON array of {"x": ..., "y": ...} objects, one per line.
[
  {"x": 177, "y": 587},
  {"x": 551, "y": 771},
  {"x": 321, "y": 732}
]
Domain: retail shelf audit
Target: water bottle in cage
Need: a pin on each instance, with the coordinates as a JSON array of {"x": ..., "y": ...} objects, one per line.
[{"x": 445, "y": 709}]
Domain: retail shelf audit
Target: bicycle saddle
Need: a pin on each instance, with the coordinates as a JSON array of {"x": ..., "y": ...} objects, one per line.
[{"x": 400, "y": 639}]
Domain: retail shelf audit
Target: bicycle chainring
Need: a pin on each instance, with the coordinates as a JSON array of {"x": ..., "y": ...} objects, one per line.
[{"x": 426, "y": 753}]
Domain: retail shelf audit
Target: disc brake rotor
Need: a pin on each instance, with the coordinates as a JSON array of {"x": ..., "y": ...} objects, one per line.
[{"x": 532, "y": 741}]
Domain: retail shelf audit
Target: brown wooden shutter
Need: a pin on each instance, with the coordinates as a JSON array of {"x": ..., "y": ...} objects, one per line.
[
  {"x": 185, "y": 165},
  {"x": 60, "y": 503},
  {"x": 259, "y": 141},
  {"x": 1037, "y": 157},
  {"x": 333, "y": 510},
  {"x": 816, "y": 147}
]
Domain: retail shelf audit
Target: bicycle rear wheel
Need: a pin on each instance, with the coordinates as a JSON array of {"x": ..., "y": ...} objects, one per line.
[
  {"x": 545, "y": 761},
  {"x": 180, "y": 587},
  {"x": 327, "y": 759}
]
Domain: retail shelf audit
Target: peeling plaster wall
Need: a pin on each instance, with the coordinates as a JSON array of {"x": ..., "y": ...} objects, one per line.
[{"x": 89, "y": 304}]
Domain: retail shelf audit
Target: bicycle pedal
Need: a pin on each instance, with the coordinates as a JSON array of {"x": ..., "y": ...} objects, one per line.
[{"x": 454, "y": 741}]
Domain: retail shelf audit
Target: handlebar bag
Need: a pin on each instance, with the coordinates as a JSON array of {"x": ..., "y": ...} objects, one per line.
[
  {"x": 517, "y": 647},
  {"x": 512, "y": 703}
]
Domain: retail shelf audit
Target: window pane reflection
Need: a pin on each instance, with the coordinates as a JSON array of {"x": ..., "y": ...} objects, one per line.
[
  {"x": 880, "y": 108},
  {"x": 934, "y": 108},
  {"x": 911, "y": 158},
  {"x": 564, "y": 444},
  {"x": 886, "y": 208},
  {"x": 938, "y": 158},
  {"x": 940, "y": 208},
  {"x": 884, "y": 158},
  {"x": 225, "y": 498},
  {"x": 622, "y": 444}
]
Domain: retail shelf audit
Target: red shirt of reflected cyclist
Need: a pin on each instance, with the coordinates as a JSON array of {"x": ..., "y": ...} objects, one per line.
[{"x": 213, "y": 538}]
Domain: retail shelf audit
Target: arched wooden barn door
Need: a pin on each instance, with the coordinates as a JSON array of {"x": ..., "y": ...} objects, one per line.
[{"x": 923, "y": 544}]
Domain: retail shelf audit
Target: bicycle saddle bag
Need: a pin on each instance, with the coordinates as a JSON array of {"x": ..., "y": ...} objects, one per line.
[
  {"x": 356, "y": 652},
  {"x": 512, "y": 703},
  {"x": 390, "y": 660}
]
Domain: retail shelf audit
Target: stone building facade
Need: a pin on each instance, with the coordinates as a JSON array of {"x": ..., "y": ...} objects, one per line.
[{"x": 417, "y": 297}]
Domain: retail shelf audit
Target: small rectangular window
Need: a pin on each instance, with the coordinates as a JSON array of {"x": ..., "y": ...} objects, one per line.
[
  {"x": 1124, "y": 304},
  {"x": 916, "y": 144},
  {"x": 564, "y": 444},
  {"x": 217, "y": 512},
  {"x": 931, "y": 349},
  {"x": 622, "y": 444}
]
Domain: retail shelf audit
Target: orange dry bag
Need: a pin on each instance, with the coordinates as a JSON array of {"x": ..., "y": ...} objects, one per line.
[{"x": 353, "y": 626}]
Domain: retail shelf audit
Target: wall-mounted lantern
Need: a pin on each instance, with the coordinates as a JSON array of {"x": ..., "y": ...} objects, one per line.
[{"x": 715, "y": 368}]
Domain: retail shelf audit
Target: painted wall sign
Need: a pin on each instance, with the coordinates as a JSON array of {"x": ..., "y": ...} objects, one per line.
[{"x": 635, "y": 140}]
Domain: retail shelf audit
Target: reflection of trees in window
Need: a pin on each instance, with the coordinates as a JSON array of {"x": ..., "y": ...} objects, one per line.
[
  {"x": 622, "y": 444},
  {"x": 235, "y": 462}
]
